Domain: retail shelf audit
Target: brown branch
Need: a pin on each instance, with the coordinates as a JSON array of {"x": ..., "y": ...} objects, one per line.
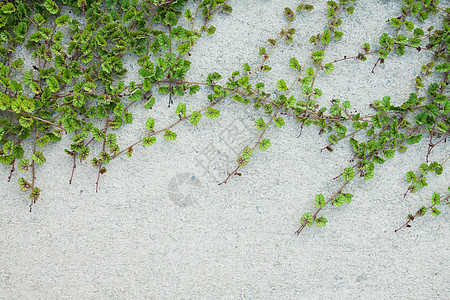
[{"x": 230, "y": 174}]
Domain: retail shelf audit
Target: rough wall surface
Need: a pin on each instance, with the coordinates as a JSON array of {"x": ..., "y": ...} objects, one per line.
[{"x": 161, "y": 227}]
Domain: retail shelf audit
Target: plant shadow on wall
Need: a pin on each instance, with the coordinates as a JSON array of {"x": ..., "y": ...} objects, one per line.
[{"x": 74, "y": 88}]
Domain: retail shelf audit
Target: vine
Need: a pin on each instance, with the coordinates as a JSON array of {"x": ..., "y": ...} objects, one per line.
[{"x": 74, "y": 86}]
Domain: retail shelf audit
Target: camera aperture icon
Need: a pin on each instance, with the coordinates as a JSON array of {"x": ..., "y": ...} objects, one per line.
[{"x": 184, "y": 189}]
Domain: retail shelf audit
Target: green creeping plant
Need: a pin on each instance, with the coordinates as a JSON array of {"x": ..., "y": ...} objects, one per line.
[{"x": 75, "y": 87}]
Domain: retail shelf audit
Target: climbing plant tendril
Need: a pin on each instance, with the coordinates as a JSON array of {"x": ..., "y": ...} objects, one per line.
[{"x": 74, "y": 88}]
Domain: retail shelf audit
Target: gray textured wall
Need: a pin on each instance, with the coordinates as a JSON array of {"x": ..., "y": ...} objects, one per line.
[{"x": 145, "y": 234}]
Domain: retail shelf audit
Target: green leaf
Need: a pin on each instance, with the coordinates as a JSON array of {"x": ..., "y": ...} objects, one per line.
[
  {"x": 445, "y": 67},
  {"x": 279, "y": 122},
  {"x": 338, "y": 35},
  {"x": 211, "y": 30},
  {"x": 184, "y": 48},
  {"x": 293, "y": 64},
  {"x": 212, "y": 113},
  {"x": 389, "y": 153},
  {"x": 159, "y": 73},
  {"x": 28, "y": 105},
  {"x": 442, "y": 127},
  {"x": 306, "y": 220},
  {"x": 39, "y": 158},
  {"x": 181, "y": 109},
  {"x": 260, "y": 85},
  {"x": 78, "y": 100},
  {"x": 422, "y": 183},
  {"x": 395, "y": 22},
  {"x": 246, "y": 67},
  {"x": 410, "y": 176},
  {"x": 348, "y": 173},
  {"x": 414, "y": 139},
  {"x": 195, "y": 118},
  {"x": 318, "y": 55},
  {"x": 148, "y": 141},
  {"x": 281, "y": 85},
  {"x": 178, "y": 33},
  {"x": 383, "y": 53},
  {"x": 52, "y": 84},
  {"x": 163, "y": 89},
  {"x": 171, "y": 18},
  {"x": 416, "y": 7},
  {"x": 194, "y": 89},
  {"x": 342, "y": 198},
  {"x": 23, "y": 184},
  {"x": 289, "y": 14},
  {"x": 135, "y": 95},
  {"x": 329, "y": 68},
  {"x": 436, "y": 199},
  {"x": 213, "y": 77},
  {"x": 320, "y": 201},
  {"x": 424, "y": 168},
  {"x": 150, "y": 124},
  {"x": 18, "y": 151},
  {"x": 62, "y": 20},
  {"x": 145, "y": 73},
  {"x": 149, "y": 104},
  {"x": 242, "y": 160},
  {"x": 97, "y": 134},
  {"x": 24, "y": 165},
  {"x": 435, "y": 212},
  {"x": 326, "y": 36},
  {"x": 247, "y": 152},
  {"x": 51, "y": 6},
  {"x": 421, "y": 212},
  {"x": 163, "y": 41},
  {"x": 147, "y": 85},
  {"x": 35, "y": 194},
  {"x": 368, "y": 175},
  {"x": 18, "y": 63},
  {"x": 44, "y": 140},
  {"x": 170, "y": 135},
  {"x": 8, "y": 8},
  {"x": 413, "y": 42},
  {"x": 264, "y": 144},
  {"x": 26, "y": 122},
  {"x": 28, "y": 75},
  {"x": 260, "y": 124},
  {"x": 6, "y": 159},
  {"x": 119, "y": 109},
  {"x": 333, "y": 139},
  {"x": 7, "y": 147},
  {"x": 409, "y": 25},
  {"x": 321, "y": 222}
]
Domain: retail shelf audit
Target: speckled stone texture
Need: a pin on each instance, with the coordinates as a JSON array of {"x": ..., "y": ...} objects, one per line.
[{"x": 160, "y": 227}]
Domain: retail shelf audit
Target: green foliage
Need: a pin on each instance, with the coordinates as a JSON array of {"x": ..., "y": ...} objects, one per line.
[
  {"x": 264, "y": 144},
  {"x": 76, "y": 81},
  {"x": 169, "y": 135}
]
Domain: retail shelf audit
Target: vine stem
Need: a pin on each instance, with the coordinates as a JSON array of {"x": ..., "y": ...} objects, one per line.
[
  {"x": 289, "y": 89},
  {"x": 328, "y": 201},
  {"x": 417, "y": 213},
  {"x": 33, "y": 167},
  {"x": 266, "y": 58},
  {"x": 230, "y": 174},
  {"x": 170, "y": 126},
  {"x": 39, "y": 119},
  {"x": 74, "y": 166},
  {"x": 253, "y": 148},
  {"x": 419, "y": 178}
]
